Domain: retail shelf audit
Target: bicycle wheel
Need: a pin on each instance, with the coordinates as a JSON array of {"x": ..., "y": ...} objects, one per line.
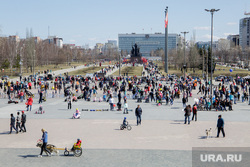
[
  {"x": 121, "y": 127},
  {"x": 66, "y": 153},
  {"x": 78, "y": 152},
  {"x": 129, "y": 127}
]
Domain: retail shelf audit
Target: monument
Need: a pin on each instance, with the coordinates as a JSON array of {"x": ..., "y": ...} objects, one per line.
[{"x": 135, "y": 54}]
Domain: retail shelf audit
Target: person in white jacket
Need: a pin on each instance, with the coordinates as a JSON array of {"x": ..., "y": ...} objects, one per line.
[
  {"x": 125, "y": 108},
  {"x": 111, "y": 103}
]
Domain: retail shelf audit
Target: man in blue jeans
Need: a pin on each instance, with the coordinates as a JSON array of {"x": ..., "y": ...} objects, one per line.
[
  {"x": 188, "y": 111},
  {"x": 138, "y": 113},
  {"x": 220, "y": 126}
]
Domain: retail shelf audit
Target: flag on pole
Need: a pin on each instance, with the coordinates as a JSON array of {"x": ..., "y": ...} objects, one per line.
[{"x": 166, "y": 20}]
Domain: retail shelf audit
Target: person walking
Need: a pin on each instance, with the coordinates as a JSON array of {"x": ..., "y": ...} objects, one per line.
[
  {"x": 125, "y": 108},
  {"x": 138, "y": 113},
  {"x": 18, "y": 122},
  {"x": 194, "y": 113},
  {"x": 45, "y": 141},
  {"x": 23, "y": 121},
  {"x": 187, "y": 114},
  {"x": 184, "y": 100},
  {"x": 69, "y": 102},
  {"x": 12, "y": 123},
  {"x": 40, "y": 96},
  {"x": 21, "y": 96},
  {"x": 29, "y": 103},
  {"x": 111, "y": 103},
  {"x": 220, "y": 126}
]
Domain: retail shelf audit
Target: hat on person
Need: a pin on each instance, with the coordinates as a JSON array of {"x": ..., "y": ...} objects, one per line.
[{"x": 22, "y": 111}]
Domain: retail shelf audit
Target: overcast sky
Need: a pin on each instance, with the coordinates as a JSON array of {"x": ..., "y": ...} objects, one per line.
[{"x": 93, "y": 21}]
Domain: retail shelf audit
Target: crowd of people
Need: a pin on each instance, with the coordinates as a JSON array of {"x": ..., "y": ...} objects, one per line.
[{"x": 151, "y": 88}]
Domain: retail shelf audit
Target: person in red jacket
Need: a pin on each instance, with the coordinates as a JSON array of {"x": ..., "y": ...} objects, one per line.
[
  {"x": 194, "y": 112},
  {"x": 29, "y": 103},
  {"x": 29, "y": 84}
]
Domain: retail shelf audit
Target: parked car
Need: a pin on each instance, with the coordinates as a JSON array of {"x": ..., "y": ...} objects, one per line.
[
  {"x": 5, "y": 77},
  {"x": 50, "y": 77},
  {"x": 40, "y": 78},
  {"x": 219, "y": 78}
]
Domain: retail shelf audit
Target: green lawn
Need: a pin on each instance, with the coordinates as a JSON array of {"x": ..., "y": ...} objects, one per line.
[
  {"x": 52, "y": 67},
  {"x": 219, "y": 70},
  {"x": 86, "y": 70},
  {"x": 132, "y": 71}
]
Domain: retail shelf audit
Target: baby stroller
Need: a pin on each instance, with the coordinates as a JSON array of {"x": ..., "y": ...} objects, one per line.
[
  {"x": 40, "y": 110},
  {"x": 76, "y": 115}
]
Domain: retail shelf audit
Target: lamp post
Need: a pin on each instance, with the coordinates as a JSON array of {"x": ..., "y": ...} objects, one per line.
[
  {"x": 34, "y": 64},
  {"x": 119, "y": 64},
  {"x": 211, "y": 70},
  {"x": 20, "y": 62},
  {"x": 184, "y": 66}
]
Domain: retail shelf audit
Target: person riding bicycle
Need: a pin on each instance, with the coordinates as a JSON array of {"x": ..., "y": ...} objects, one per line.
[
  {"x": 125, "y": 122},
  {"x": 77, "y": 145}
]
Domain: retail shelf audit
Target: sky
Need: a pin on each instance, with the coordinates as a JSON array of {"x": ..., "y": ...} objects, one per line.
[{"x": 89, "y": 22}]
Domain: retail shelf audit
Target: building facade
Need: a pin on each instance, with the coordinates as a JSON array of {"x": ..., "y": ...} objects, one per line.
[
  {"x": 147, "y": 42},
  {"x": 206, "y": 45},
  {"x": 244, "y": 32},
  {"x": 234, "y": 40}
]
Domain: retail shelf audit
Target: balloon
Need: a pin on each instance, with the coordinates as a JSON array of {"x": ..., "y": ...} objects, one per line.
[{"x": 231, "y": 70}]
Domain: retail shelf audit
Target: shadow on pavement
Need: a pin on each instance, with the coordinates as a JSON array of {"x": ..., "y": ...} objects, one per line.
[
  {"x": 176, "y": 123},
  {"x": 64, "y": 109},
  {"x": 179, "y": 120},
  {"x": 205, "y": 137},
  {"x": 5, "y": 133},
  {"x": 175, "y": 107},
  {"x": 28, "y": 156}
]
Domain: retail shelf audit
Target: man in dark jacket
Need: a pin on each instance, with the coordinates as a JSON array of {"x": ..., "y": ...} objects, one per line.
[
  {"x": 220, "y": 126},
  {"x": 138, "y": 113},
  {"x": 188, "y": 111},
  {"x": 23, "y": 121},
  {"x": 12, "y": 123},
  {"x": 41, "y": 96},
  {"x": 119, "y": 97}
]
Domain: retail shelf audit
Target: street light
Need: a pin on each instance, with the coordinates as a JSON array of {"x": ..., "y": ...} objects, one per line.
[
  {"x": 184, "y": 66},
  {"x": 20, "y": 62},
  {"x": 211, "y": 70},
  {"x": 34, "y": 64}
]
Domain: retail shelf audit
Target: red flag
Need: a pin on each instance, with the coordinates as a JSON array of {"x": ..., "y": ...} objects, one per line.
[{"x": 166, "y": 20}]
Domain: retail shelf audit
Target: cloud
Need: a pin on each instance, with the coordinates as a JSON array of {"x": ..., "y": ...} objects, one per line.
[
  {"x": 72, "y": 40},
  {"x": 92, "y": 39},
  {"x": 208, "y": 36},
  {"x": 226, "y": 34},
  {"x": 77, "y": 36},
  {"x": 202, "y": 28},
  {"x": 231, "y": 23}
]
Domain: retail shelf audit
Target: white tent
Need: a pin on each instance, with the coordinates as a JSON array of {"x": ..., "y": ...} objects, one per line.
[{"x": 247, "y": 77}]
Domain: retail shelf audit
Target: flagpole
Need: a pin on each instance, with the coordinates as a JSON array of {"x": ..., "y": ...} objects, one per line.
[{"x": 166, "y": 39}]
